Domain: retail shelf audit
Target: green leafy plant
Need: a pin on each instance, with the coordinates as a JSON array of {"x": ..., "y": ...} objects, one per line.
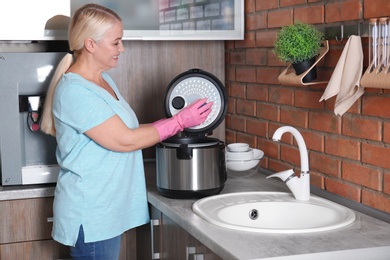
[{"x": 298, "y": 42}]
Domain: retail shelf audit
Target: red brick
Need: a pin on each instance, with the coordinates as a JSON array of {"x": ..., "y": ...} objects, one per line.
[
  {"x": 386, "y": 182},
  {"x": 267, "y": 75},
  {"x": 256, "y": 57},
  {"x": 270, "y": 148},
  {"x": 361, "y": 175},
  {"x": 246, "y": 74},
  {"x": 308, "y": 99},
  {"x": 237, "y": 57},
  {"x": 256, "y": 127},
  {"x": 376, "y": 106},
  {"x": 324, "y": 164},
  {"x": 284, "y": 3},
  {"x": 342, "y": 147},
  {"x": 273, "y": 60},
  {"x": 386, "y": 132},
  {"x": 268, "y": 111},
  {"x": 343, "y": 189},
  {"x": 317, "y": 180},
  {"x": 257, "y": 92},
  {"x": 248, "y": 42},
  {"x": 281, "y": 95},
  {"x": 236, "y": 90},
  {"x": 251, "y": 22},
  {"x": 311, "y": 14},
  {"x": 376, "y": 155},
  {"x": 230, "y": 74},
  {"x": 362, "y": 127},
  {"x": 237, "y": 123},
  {"x": 294, "y": 117},
  {"x": 249, "y": 6},
  {"x": 245, "y": 107},
  {"x": 266, "y": 5},
  {"x": 245, "y": 138},
  {"x": 343, "y": 11},
  {"x": 325, "y": 122},
  {"x": 291, "y": 155},
  {"x": 256, "y": 21},
  {"x": 314, "y": 141},
  {"x": 376, "y": 8},
  {"x": 265, "y": 38},
  {"x": 280, "y": 18},
  {"x": 376, "y": 200},
  {"x": 231, "y": 106},
  {"x": 230, "y": 136}
]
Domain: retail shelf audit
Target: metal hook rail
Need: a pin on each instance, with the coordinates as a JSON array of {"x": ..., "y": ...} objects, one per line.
[{"x": 343, "y": 31}]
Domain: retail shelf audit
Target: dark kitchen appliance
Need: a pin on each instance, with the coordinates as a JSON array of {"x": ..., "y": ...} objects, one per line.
[
  {"x": 27, "y": 156},
  {"x": 190, "y": 164}
]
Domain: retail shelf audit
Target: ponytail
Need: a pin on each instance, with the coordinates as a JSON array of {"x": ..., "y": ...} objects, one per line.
[{"x": 47, "y": 121}]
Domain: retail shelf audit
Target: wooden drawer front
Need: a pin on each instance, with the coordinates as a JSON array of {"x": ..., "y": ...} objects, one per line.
[
  {"x": 46, "y": 249},
  {"x": 25, "y": 220}
]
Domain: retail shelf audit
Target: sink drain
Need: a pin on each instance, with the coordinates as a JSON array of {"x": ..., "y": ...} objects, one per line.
[{"x": 253, "y": 214}]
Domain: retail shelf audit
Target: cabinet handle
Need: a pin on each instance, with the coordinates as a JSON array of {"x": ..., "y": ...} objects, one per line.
[
  {"x": 153, "y": 223},
  {"x": 50, "y": 219},
  {"x": 192, "y": 255}
]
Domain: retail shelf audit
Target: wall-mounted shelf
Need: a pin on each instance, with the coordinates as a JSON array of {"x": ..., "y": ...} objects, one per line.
[
  {"x": 377, "y": 78},
  {"x": 289, "y": 78}
]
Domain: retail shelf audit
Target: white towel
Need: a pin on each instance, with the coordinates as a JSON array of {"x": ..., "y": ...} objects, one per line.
[{"x": 345, "y": 80}]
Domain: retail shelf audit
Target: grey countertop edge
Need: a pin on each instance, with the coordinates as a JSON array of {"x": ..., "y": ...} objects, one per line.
[{"x": 365, "y": 232}]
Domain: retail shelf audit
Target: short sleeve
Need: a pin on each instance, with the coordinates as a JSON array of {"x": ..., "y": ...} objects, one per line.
[{"x": 80, "y": 107}]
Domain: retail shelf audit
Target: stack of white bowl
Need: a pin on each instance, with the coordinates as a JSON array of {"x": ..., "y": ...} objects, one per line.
[{"x": 240, "y": 157}]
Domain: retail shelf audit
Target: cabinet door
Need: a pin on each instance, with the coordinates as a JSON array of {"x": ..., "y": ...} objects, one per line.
[
  {"x": 25, "y": 220},
  {"x": 148, "y": 233},
  {"x": 179, "y": 244},
  {"x": 45, "y": 249}
]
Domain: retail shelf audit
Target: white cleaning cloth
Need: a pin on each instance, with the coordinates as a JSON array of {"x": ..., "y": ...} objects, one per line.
[{"x": 345, "y": 80}]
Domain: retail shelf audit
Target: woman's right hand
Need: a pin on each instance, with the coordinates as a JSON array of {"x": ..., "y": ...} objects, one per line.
[{"x": 194, "y": 114}]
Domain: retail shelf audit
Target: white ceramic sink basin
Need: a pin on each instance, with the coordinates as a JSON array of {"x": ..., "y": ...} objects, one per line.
[{"x": 272, "y": 212}]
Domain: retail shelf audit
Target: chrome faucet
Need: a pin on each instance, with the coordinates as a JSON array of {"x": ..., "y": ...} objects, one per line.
[{"x": 299, "y": 186}]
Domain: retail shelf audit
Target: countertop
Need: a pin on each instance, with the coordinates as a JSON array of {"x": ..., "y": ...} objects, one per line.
[{"x": 365, "y": 232}]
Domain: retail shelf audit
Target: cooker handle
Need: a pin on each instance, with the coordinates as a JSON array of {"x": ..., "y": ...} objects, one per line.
[{"x": 184, "y": 152}]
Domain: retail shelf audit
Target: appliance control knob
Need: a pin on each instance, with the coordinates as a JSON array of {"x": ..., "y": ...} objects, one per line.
[{"x": 178, "y": 102}]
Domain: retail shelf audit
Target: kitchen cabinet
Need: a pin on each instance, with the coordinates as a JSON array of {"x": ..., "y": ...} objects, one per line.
[
  {"x": 163, "y": 238},
  {"x": 26, "y": 232}
]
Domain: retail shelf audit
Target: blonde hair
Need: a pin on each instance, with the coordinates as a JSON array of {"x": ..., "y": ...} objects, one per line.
[{"x": 89, "y": 21}]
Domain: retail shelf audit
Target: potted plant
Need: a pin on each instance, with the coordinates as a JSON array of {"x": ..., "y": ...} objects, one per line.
[{"x": 299, "y": 44}]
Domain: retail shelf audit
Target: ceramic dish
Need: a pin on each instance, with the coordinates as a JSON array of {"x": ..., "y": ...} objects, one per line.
[
  {"x": 247, "y": 155},
  {"x": 241, "y": 165},
  {"x": 238, "y": 147}
]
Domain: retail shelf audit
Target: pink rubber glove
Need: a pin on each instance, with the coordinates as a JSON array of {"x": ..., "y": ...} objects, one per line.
[{"x": 190, "y": 116}]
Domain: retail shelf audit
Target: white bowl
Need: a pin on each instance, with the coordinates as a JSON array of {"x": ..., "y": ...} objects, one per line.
[
  {"x": 238, "y": 147},
  {"x": 247, "y": 155},
  {"x": 257, "y": 154},
  {"x": 242, "y": 165}
]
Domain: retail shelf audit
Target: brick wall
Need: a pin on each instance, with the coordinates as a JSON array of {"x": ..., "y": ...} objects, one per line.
[{"x": 350, "y": 154}]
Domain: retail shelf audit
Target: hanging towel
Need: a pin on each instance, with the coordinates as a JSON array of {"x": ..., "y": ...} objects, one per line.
[{"x": 345, "y": 80}]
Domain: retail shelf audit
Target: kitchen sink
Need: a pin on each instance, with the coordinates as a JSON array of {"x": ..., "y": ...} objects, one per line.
[{"x": 272, "y": 212}]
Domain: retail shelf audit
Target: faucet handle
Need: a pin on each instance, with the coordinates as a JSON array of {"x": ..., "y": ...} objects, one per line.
[{"x": 283, "y": 175}]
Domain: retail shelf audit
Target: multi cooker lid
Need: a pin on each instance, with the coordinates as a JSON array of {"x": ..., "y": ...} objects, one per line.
[{"x": 191, "y": 85}]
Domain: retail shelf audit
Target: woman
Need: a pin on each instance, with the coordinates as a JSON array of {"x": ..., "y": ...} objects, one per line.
[{"x": 100, "y": 191}]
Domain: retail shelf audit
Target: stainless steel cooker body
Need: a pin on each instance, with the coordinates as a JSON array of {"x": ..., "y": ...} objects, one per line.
[
  {"x": 191, "y": 165},
  {"x": 191, "y": 170}
]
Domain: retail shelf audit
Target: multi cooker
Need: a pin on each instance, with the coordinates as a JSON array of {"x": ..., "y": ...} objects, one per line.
[{"x": 191, "y": 164}]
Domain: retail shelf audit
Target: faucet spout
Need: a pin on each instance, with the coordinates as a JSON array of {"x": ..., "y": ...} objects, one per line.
[
  {"x": 299, "y": 186},
  {"x": 301, "y": 145}
]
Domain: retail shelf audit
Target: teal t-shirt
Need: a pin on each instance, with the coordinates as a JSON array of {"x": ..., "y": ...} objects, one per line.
[{"x": 102, "y": 190}]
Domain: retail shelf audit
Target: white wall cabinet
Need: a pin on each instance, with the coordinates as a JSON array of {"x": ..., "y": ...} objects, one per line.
[{"x": 142, "y": 20}]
